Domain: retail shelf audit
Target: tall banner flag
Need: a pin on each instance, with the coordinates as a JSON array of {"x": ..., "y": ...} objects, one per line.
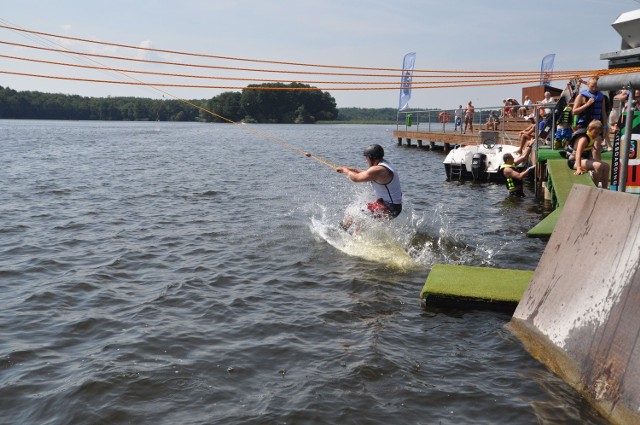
[
  {"x": 405, "y": 82},
  {"x": 546, "y": 69}
]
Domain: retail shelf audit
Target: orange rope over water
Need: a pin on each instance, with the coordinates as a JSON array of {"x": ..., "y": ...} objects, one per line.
[
  {"x": 415, "y": 82},
  {"x": 422, "y": 79},
  {"x": 417, "y": 73},
  {"x": 245, "y": 127},
  {"x": 458, "y": 84}
]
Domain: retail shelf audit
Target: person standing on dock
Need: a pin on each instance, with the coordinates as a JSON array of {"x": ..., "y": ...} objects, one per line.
[
  {"x": 457, "y": 114},
  {"x": 591, "y": 104},
  {"x": 513, "y": 178},
  {"x": 468, "y": 117},
  {"x": 385, "y": 182}
]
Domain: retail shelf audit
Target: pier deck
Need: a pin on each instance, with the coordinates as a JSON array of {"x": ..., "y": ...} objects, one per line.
[{"x": 446, "y": 140}]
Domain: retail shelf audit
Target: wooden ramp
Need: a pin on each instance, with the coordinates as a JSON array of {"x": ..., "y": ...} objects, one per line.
[{"x": 579, "y": 314}]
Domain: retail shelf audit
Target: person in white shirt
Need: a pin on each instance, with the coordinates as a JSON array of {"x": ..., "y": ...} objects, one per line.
[{"x": 457, "y": 114}]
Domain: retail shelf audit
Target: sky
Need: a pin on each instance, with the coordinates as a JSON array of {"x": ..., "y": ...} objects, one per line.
[{"x": 467, "y": 35}]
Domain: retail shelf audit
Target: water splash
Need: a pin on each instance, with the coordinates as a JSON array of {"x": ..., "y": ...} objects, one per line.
[{"x": 409, "y": 242}]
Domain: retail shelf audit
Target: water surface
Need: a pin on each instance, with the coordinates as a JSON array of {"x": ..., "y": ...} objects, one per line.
[{"x": 173, "y": 273}]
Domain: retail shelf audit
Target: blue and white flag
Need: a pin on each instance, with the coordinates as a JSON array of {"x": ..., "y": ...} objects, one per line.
[
  {"x": 405, "y": 82},
  {"x": 546, "y": 69}
]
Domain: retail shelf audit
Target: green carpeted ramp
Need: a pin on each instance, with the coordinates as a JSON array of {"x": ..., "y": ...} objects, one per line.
[
  {"x": 477, "y": 287},
  {"x": 561, "y": 179}
]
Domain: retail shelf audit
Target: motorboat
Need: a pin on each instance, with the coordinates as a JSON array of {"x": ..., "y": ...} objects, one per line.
[{"x": 479, "y": 162}]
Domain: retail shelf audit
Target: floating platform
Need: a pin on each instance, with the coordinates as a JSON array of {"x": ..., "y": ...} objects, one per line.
[{"x": 474, "y": 287}]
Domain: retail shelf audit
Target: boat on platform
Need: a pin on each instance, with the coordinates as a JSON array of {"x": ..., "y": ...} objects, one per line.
[{"x": 480, "y": 161}]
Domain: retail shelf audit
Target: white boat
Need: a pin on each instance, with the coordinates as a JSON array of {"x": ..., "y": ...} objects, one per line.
[{"x": 480, "y": 161}]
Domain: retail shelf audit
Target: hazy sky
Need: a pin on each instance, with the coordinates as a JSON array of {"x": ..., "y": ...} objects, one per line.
[{"x": 466, "y": 35}]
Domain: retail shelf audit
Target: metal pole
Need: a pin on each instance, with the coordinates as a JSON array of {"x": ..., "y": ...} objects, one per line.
[
  {"x": 625, "y": 142},
  {"x": 536, "y": 136}
]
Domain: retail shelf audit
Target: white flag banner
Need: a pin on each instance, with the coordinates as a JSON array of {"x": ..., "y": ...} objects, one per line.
[
  {"x": 405, "y": 82},
  {"x": 546, "y": 69}
]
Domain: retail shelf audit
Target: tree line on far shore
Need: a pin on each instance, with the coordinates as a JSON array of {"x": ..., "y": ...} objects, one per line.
[{"x": 282, "y": 105}]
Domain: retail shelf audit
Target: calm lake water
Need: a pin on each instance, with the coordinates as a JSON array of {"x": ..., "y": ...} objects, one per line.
[{"x": 165, "y": 273}]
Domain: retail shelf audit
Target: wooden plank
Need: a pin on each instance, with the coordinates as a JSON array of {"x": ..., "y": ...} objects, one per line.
[{"x": 579, "y": 314}]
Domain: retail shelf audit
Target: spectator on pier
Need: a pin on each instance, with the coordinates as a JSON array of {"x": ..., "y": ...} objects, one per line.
[
  {"x": 547, "y": 99},
  {"x": 457, "y": 117},
  {"x": 524, "y": 109},
  {"x": 493, "y": 121},
  {"x": 515, "y": 106},
  {"x": 385, "y": 181},
  {"x": 586, "y": 154},
  {"x": 468, "y": 117},
  {"x": 591, "y": 104},
  {"x": 619, "y": 103},
  {"x": 506, "y": 110},
  {"x": 513, "y": 178},
  {"x": 527, "y": 135},
  {"x": 563, "y": 132}
]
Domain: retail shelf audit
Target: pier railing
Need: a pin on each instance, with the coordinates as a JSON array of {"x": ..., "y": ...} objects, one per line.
[{"x": 511, "y": 120}]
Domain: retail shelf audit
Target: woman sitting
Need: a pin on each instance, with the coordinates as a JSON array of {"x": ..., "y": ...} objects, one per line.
[{"x": 586, "y": 154}]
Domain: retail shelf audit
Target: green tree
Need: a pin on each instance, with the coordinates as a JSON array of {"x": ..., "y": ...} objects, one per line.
[{"x": 227, "y": 105}]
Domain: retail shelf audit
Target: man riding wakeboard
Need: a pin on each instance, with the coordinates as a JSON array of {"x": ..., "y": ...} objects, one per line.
[{"x": 385, "y": 182}]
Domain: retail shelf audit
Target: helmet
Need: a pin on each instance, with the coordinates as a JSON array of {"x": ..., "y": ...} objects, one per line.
[{"x": 374, "y": 152}]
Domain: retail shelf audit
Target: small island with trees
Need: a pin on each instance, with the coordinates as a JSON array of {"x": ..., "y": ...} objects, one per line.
[{"x": 293, "y": 103}]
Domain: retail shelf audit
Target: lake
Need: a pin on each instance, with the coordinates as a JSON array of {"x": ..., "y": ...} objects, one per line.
[{"x": 186, "y": 273}]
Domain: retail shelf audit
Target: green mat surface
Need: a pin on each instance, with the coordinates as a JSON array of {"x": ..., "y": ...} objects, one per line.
[
  {"x": 559, "y": 182},
  {"x": 563, "y": 179},
  {"x": 545, "y": 227},
  {"x": 467, "y": 286},
  {"x": 545, "y": 154}
]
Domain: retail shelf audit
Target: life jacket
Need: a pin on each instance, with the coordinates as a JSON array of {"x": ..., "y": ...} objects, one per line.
[
  {"x": 509, "y": 182},
  {"x": 586, "y": 153},
  {"x": 594, "y": 112},
  {"x": 565, "y": 116},
  {"x": 392, "y": 191}
]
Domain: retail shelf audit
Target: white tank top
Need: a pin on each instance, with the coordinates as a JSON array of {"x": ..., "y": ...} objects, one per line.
[{"x": 390, "y": 192}]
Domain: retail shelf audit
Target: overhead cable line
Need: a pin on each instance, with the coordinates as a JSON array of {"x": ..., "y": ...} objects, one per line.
[
  {"x": 415, "y": 82},
  {"x": 244, "y": 127}
]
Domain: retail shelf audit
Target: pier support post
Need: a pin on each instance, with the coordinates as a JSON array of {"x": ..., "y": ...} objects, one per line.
[{"x": 399, "y": 141}]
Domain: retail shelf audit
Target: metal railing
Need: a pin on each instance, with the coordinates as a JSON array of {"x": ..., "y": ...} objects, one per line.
[{"x": 431, "y": 119}]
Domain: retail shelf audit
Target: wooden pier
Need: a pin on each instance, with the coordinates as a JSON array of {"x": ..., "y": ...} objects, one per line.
[{"x": 437, "y": 138}]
